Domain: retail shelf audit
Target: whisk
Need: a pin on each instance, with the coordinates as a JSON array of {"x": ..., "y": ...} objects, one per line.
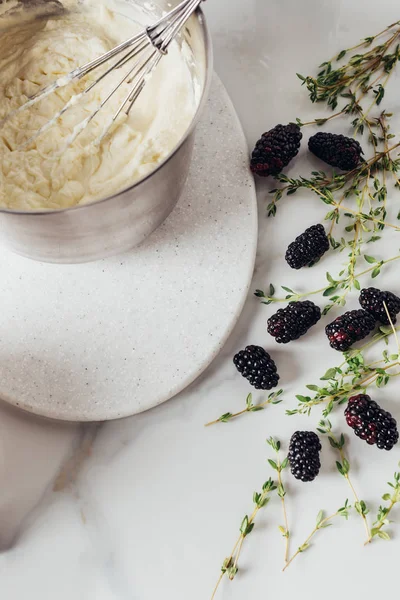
[{"x": 145, "y": 49}]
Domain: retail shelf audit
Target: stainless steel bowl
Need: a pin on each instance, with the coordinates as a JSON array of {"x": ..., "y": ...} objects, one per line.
[{"x": 119, "y": 222}]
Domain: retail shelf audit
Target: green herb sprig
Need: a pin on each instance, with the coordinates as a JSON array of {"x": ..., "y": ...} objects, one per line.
[
  {"x": 382, "y": 518},
  {"x": 338, "y": 443},
  {"x": 230, "y": 565},
  {"x": 364, "y": 73},
  {"x": 321, "y": 523},
  {"x": 353, "y": 375},
  {"x": 354, "y": 183},
  {"x": 280, "y": 466},
  {"x": 344, "y": 283},
  {"x": 273, "y": 398}
]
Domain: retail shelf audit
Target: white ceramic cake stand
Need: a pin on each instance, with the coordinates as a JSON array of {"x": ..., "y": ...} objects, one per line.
[{"x": 113, "y": 338}]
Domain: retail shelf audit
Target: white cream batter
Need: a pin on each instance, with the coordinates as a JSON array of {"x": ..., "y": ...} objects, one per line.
[{"x": 46, "y": 176}]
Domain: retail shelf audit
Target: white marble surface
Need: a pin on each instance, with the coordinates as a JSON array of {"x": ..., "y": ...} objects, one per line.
[{"x": 148, "y": 507}]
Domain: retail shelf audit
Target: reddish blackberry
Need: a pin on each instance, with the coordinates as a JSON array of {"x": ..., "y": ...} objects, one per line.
[
  {"x": 349, "y": 328},
  {"x": 275, "y": 149},
  {"x": 293, "y": 321},
  {"x": 371, "y": 423},
  {"x": 307, "y": 247},
  {"x": 336, "y": 150},
  {"x": 304, "y": 449},
  {"x": 372, "y": 299},
  {"x": 257, "y": 366}
]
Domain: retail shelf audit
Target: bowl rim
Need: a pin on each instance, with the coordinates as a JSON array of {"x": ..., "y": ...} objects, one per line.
[{"x": 199, "y": 14}]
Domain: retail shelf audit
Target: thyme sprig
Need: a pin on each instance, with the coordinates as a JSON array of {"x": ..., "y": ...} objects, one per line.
[
  {"x": 230, "y": 565},
  {"x": 362, "y": 73},
  {"x": 273, "y": 398},
  {"x": 321, "y": 523},
  {"x": 353, "y": 375},
  {"x": 344, "y": 282},
  {"x": 355, "y": 184},
  {"x": 338, "y": 443},
  {"x": 280, "y": 466},
  {"x": 382, "y": 518}
]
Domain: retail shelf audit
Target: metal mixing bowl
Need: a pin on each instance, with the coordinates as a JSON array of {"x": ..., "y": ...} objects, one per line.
[{"x": 119, "y": 222}]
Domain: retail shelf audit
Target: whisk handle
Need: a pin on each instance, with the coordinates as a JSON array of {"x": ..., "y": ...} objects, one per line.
[{"x": 163, "y": 32}]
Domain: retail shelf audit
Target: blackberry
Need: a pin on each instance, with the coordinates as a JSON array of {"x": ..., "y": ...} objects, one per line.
[
  {"x": 257, "y": 366},
  {"x": 349, "y": 328},
  {"x": 371, "y": 423},
  {"x": 336, "y": 150},
  {"x": 307, "y": 247},
  {"x": 372, "y": 299},
  {"x": 275, "y": 149},
  {"x": 292, "y": 322},
  {"x": 304, "y": 449}
]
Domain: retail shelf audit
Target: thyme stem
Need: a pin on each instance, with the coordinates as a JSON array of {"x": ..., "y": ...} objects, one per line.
[{"x": 322, "y": 523}]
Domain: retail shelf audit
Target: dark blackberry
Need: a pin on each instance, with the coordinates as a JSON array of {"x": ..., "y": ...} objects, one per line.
[
  {"x": 372, "y": 299},
  {"x": 349, "y": 328},
  {"x": 336, "y": 150},
  {"x": 257, "y": 366},
  {"x": 275, "y": 149},
  {"x": 295, "y": 320},
  {"x": 303, "y": 455},
  {"x": 371, "y": 423},
  {"x": 307, "y": 247}
]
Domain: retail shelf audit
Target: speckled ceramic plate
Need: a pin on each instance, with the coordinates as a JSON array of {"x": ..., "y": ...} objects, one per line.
[{"x": 113, "y": 338}]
